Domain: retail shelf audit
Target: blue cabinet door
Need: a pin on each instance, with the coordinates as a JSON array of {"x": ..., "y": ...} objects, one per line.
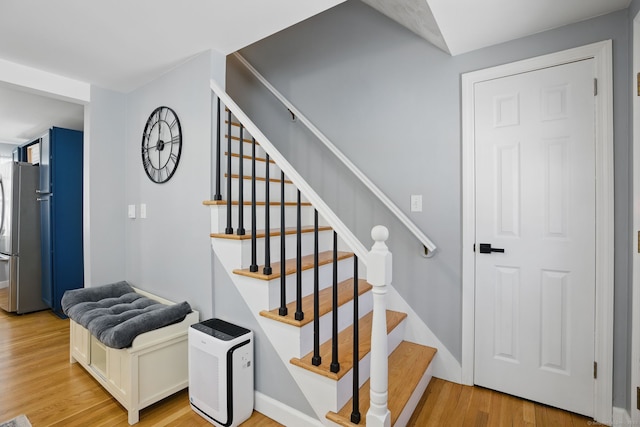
[
  {"x": 44, "y": 193},
  {"x": 61, "y": 216}
]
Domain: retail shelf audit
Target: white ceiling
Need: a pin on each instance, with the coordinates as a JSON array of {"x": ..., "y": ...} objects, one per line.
[
  {"x": 460, "y": 26},
  {"x": 123, "y": 44}
]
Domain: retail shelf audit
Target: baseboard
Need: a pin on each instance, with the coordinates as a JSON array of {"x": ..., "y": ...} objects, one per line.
[
  {"x": 282, "y": 413},
  {"x": 621, "y": 417}
]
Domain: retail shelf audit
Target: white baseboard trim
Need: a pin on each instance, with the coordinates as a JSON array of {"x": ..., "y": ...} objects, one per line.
[
  {"x": 621, "y": 417},
  {"x": 282, "y": 413}
]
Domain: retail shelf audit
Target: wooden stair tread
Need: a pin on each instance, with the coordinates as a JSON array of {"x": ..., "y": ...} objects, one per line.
[
  {"x": 407, "y": 365},
  {"x": 291, "y": 267},
  {"x": 273, "y": 232},
  {"x": 345, "y": 346},
  {"x": 325, "y": 303},
  {"x": 258, "y": 159},
  {"x": 248, "y": 203},
  {"x": 258, "y": 178},
  {"x": 237, "y": 138}
]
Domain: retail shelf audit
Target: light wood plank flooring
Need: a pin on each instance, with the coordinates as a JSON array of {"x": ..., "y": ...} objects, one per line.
[
  {"x": 450, "y": 404},
  {"x": 36, "y": 379}
]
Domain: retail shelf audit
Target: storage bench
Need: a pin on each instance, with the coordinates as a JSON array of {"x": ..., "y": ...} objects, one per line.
[{"x": 153, "y": 367}]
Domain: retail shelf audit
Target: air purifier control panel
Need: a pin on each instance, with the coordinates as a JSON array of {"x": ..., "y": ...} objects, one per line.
[{"x": 220, "y": 329}]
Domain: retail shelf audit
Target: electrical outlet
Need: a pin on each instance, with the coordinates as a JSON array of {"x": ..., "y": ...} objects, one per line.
[{"x": 416, "y": 203}]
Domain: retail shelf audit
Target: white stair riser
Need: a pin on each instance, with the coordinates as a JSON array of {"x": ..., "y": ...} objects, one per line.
[
  {"x": 235, "y": 130},
  {"x": 219, "y": 217},
  {"x": 261, "y": 166},
  {"x": 345, "y": 384},
  {"x": 300, "y": 340},
  {"x": 345, "y": 319},
  {"x": 325, "y": 243},
  {"x": 324, "y": 394},
  {"x": 275, "y": 194},
  {"x": 325, "y": 279},
  {"x": 235, "y": 144},
  {"x": 416, "y": 396}
]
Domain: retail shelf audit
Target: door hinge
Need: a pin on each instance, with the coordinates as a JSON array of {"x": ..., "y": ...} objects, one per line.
[
  {"x": 639, "y": 242},
  {"x": 595, "y": 87},
  {"x": 595, "y": 370},
  {"x": 474, "y": 245},
  {"x": 638, "y": 398}
]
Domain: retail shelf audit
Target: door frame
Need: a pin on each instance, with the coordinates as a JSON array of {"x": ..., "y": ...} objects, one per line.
[
  {"x": 601, "y": 53},
  {"x": 635, "y": 282}
]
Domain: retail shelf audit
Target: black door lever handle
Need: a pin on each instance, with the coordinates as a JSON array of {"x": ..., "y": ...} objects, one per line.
[{"x": 485, "y": 248}]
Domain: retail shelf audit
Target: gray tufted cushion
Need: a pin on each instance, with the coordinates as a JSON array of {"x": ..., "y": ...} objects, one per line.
[{"x": 115, "y": 314}]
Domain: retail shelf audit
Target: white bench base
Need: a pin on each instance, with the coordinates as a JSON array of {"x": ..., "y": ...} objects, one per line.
[{"x": 154, "y": 367}]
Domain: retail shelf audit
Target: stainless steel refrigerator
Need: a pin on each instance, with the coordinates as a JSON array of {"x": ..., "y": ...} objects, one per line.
[{"x": 20, "y": 266}]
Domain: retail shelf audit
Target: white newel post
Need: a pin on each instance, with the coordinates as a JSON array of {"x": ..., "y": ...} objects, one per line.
[{"x": 379, "y": 275}]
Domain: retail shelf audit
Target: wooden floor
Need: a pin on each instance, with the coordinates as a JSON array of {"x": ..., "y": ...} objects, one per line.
[
  {"x": 36, "y": 379},
  {"x": 450, "y": 404}
]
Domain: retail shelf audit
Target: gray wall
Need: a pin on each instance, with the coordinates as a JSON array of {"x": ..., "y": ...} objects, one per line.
[
  {"x": 634, "y": 9},
  {"x": 6, "y": 149},
  {"x": 169, "y": 252},
  {"x": 391, "y": 102},
  {"x": 104, "y": 186}
]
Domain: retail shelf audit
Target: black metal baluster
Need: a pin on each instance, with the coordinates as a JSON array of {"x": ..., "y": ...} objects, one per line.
[
  {"x": 299, "y": 314},
  {"x": 355, "y": 409},
  {"x": 316, "y": 360},
  {"x": 240, "y": 230},
  {"x": 229, "y": 229},
  {"x": 267, "y": 232},
  {"x": 335, "y": 365},
  {"x": 218, "y": 196},
  {"x": 254, "y": 243},
  {"x": 283, "y": 268}
]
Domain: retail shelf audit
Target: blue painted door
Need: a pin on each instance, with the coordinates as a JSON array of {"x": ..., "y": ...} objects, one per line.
[
  {"x": 61, "y": 216},
  {"x": 44, "y": 199}
]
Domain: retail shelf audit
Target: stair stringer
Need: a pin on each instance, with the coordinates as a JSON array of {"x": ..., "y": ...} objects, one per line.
[
  {"x": 445, "y": 365},
  {"x": 323, "y": 394}
]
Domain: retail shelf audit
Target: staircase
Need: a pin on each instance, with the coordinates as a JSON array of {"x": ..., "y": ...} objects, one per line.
[{"x": 300, "y": 271}]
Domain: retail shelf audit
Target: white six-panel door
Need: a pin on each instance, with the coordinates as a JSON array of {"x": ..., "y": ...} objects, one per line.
[{"x": 535, "y": 198}]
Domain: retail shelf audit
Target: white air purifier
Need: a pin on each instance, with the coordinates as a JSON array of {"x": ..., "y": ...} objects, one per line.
[{"x": 221, "y": 372}]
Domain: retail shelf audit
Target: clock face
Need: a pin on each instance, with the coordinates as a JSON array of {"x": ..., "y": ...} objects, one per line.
[{"x": 161, "y": 144}]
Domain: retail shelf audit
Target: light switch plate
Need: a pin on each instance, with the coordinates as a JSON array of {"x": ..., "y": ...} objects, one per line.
[
  {"x": 131, "y": 213},
  {"x": 143, "y": 210},
  {"x": 416, "y": 203}
]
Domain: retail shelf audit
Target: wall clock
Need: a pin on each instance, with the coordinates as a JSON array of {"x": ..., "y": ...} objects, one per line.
[{"x": 161, "y": 144}]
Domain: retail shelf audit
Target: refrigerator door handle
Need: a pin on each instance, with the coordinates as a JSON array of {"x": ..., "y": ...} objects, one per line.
[
  {"x": 46, "y": 195},
  {"x": 4, "y": 202}
]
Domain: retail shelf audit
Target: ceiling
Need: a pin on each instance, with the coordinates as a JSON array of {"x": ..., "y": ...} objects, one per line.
[
  {"x": 461, "y": 26},
  {"x": 122, "y": 44}
]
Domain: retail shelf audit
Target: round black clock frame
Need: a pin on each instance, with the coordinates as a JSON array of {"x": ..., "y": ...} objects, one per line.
[{"x": 161, "y": 144}]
